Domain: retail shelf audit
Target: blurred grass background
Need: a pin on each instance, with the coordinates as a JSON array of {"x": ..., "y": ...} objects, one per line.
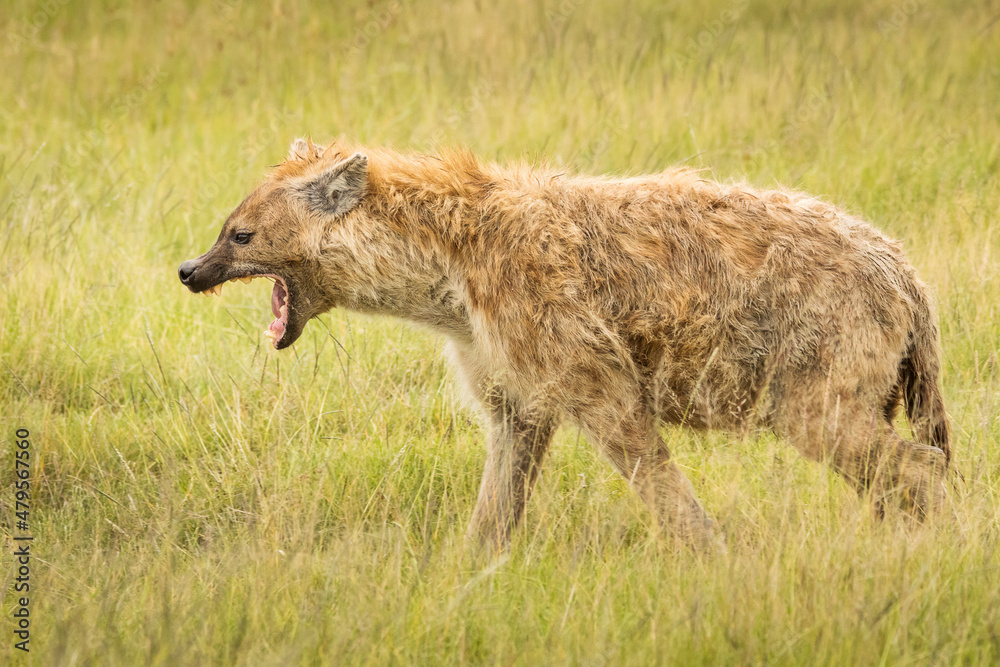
[{"x": 201, "y": 499}]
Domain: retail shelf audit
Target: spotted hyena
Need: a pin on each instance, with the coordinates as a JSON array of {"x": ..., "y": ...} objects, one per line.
[{"x": 617, "y": 303}]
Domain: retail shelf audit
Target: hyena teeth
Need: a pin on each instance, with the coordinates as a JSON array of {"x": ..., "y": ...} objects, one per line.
[
  {"x": 245, "y": 279},
  {"x": 270, "y": 334},
  {"x": 217, "y": 289}
]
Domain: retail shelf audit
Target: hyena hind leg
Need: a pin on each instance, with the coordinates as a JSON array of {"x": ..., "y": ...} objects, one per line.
[
  {"x": 634, "y": 447},
  {"x": 865, "y": 449}
]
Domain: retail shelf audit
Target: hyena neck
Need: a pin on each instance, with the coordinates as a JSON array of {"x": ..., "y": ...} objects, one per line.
[
  {"x": 425, "y": 290},
  {"x": 428, "y": 207}
]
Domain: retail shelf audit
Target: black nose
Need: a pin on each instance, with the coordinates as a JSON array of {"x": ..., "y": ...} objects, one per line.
[{"x": 187, "y": 271}]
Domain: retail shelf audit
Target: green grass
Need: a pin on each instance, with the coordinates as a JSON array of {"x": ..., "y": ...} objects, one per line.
[{"x": 201, "y": 499}]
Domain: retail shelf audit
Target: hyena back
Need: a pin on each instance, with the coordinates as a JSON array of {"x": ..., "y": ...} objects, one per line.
[{"x": 617, "y": 303}]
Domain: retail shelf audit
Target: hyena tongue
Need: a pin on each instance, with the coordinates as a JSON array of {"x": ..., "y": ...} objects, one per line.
[
  {"x": 278, "y": 295},
  {"x": 280, "y": 309}
]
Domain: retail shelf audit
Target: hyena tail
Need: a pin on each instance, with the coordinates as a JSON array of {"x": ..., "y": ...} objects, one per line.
[{"x": 918, "y": 380}]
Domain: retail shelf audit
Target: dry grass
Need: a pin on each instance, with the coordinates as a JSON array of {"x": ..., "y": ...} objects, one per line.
[{"x": 200, "y": 499}]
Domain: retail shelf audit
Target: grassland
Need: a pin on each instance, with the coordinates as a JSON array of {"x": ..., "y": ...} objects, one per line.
[{"x": 200, "y": 499}]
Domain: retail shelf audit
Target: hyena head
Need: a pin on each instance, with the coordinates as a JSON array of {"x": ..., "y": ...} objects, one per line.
[{"x": 279, "y": 232}]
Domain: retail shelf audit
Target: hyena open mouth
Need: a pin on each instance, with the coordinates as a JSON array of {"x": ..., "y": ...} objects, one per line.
[{"x": 279, "y": 304}]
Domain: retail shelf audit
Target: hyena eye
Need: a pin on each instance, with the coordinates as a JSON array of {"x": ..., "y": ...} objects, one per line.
[{"x": 242, "y": 237}]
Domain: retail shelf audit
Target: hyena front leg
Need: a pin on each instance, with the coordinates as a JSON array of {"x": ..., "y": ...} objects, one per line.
[
  {"x": 516, "y": 444},
  {"x": 626, "y": 433}
]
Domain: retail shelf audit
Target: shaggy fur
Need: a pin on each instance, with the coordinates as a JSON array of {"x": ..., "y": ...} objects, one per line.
[{"x": 618, "y": 303}]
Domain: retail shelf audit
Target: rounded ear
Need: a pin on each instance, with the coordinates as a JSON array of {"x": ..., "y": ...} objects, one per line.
[
  {"x": 302, "y": 149},
  {"x": 340, "y": 188}
]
